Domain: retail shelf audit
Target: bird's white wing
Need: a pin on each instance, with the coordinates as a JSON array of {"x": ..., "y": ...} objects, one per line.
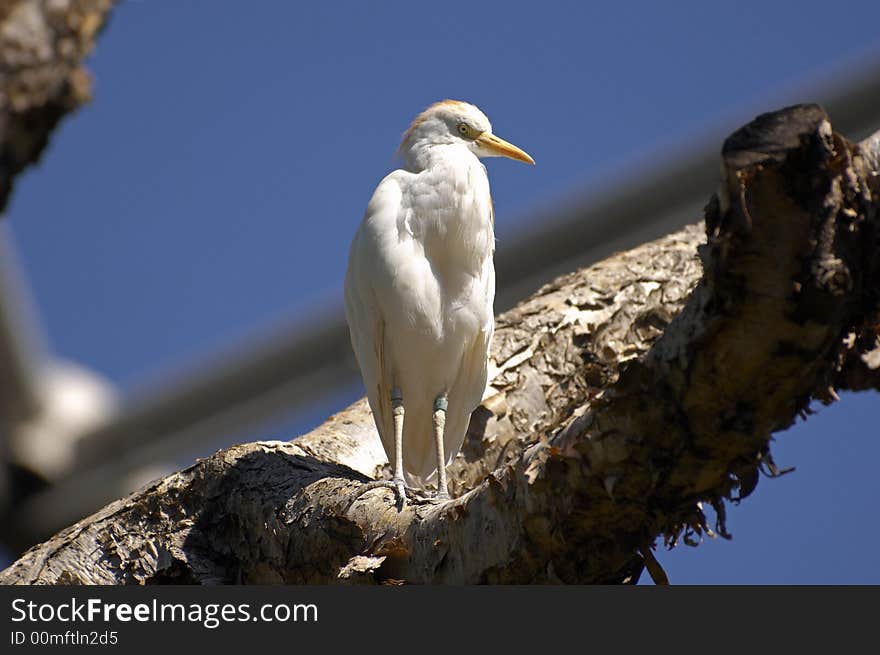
[
  {"x": 363, "y": 307},
  {"x": 470, "y": 383}
]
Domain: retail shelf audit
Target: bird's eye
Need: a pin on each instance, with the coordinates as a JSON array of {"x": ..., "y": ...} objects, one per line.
[{"x": 463, "y": 129}]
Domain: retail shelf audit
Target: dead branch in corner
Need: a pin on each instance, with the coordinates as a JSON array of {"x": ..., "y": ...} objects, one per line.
[{"x": 42, "y": 77}]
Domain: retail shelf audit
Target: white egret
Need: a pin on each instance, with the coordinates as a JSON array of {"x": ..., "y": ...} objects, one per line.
[{"x": 419, "y": 291}]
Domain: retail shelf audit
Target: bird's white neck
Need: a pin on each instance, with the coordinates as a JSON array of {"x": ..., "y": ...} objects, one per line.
[{"x": 420, "y": 155}]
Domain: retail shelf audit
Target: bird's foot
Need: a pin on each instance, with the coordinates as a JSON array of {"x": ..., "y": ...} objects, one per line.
[
  {"x": 397, "y": 485},
  {"x": 441, "y": 496}
]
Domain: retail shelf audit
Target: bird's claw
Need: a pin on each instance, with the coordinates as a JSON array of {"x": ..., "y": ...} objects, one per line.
[
  {"x": 400, "y": 492},
  {"x": 396, "y": 485}
]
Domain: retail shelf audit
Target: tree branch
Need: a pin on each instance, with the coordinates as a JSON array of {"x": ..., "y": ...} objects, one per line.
[
  {"x": 42, "y": 78},
  {"x": 624, "y": 396}
]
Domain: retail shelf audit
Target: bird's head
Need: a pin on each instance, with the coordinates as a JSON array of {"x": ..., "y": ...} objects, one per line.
[{"x": 452, "y": 122}]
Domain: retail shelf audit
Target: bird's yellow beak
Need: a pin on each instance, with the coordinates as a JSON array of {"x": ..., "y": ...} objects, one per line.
[{"x": 502, "y": 148}]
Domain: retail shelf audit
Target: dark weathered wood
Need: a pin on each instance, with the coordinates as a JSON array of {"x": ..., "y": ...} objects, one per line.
[
  {"x": 42, "y": 77},
  {"x": 624, "y": 396}
]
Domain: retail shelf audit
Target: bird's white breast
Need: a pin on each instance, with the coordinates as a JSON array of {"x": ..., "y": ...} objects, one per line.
[
  {"x": 430, "y": 239},
  {"x": 448, "y": 212},
  {"x": 447, "y": 235}
]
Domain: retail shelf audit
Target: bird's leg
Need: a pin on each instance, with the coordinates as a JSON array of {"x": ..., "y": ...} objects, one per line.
[
  {"x": 440, "y": 405},
  {"x": 396, "y": 483},
  {"x": 397, "y": 410}
]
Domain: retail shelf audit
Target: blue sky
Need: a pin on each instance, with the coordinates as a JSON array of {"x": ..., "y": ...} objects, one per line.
[{"x": 212, "y": 187}]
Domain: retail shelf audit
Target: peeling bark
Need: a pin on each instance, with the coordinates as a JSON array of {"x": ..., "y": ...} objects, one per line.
[
  {"x": 42, "y": 77},
  {"x": 624, "y": 396}
]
